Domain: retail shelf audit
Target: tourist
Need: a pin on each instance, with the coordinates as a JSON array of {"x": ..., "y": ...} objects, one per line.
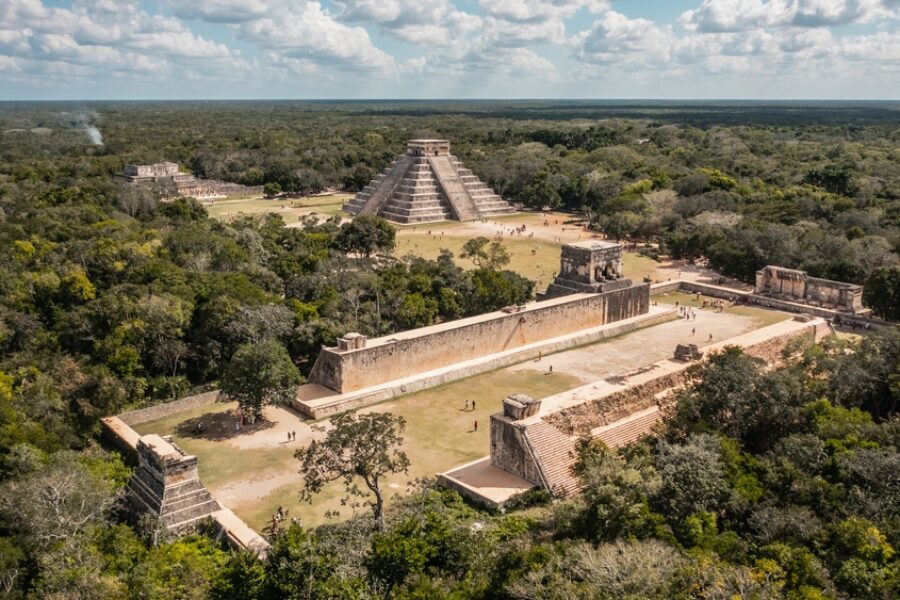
[
  {"x": 710, "y": 337},
  {"x": 693, "y": 330},
  {"x": 294, "y": 435},
  {"x": 476, "y": 425},
  {"x": 467, "y": 404},
  {"x": 551, "y": 369},
  {"x": 289, "y": 435},
  {"x": 473, "y": 405}
]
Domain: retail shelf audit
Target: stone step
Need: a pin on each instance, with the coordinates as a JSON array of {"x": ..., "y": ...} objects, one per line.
[{"x": 554, "y": 451}]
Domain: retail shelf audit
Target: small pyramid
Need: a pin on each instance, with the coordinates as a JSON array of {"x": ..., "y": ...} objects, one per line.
[{"x": 428, "y": 184}]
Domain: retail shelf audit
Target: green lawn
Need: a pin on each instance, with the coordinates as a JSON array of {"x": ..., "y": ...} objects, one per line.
[
  {"x": 291, "y": 209},
  {"x": 535, "y": 259},
  {"x": 439, "y": 435}
]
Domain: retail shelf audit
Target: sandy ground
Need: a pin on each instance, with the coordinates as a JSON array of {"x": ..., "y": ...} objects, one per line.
[
  {"x": 644, "y": 346},
  {"x": 549, "y": 227}
]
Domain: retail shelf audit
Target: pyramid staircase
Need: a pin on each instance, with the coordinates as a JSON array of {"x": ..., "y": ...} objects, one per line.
[
  {"x": 554, "y": 452},
  {"x": 427, "y": 184}
]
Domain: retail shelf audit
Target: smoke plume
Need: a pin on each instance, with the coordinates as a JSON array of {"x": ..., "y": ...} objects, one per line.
[{"x": 85, "y": 122}]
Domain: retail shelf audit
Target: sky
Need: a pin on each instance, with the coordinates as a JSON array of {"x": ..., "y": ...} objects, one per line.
[{"x": 422, "y": 49}]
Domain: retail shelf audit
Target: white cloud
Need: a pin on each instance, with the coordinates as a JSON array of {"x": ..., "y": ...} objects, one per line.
[
  {"x": 435, "y": 22},
  {"x": 98, "y": 37},
  {"x": 539, "y": 10},
  {"x": 308, "y": 32},
  {"x": 744, "y": 15},
  {"x": 616, "y": 38}
]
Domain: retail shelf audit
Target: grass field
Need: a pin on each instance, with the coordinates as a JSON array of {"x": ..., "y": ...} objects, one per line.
[
  {"x": 535, "y": 259},
  {"x": 291, "y": 209},
  {"x": 440, "y": 434}
]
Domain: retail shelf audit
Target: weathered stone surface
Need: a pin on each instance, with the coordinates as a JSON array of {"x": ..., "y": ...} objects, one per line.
[
  {"x": 797, "y": 286},
  {"x": 687, "y": 352},
  {"x": 427, "y": 184},
  {"x": 520, "y": 406},
  {"x": 166, "y": 484},
  {"x": 592, "y": 266},
  {"x": 183, "y": 184},
  {"x": 438, "y": 346}
]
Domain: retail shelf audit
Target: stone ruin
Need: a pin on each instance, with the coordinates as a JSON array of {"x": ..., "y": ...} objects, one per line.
[
  {"x": 592, "y": 266},
  {"x": 166, "y": 485},
  {"x": 154, "y": 172},
  {"x": 183, "y": 184},
  {"x": 796, "y": 286},
  {"x": 520, "y": 406},
  {"x": 687, "y": 352},
  {"x": 427, "y": 184}
]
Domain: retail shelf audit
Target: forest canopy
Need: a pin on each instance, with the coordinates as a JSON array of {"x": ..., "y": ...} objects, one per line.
[{"x": 766, "y": 484}]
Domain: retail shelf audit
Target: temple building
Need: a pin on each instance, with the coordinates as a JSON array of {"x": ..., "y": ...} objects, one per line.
[{"x": 427, "y": 184}]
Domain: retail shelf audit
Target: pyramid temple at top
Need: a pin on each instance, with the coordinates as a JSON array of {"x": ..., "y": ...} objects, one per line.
[{"x": 427, "y": 184}]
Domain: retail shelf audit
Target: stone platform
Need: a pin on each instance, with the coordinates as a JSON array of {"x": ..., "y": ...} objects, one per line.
[{"x": 537, "y": 444}]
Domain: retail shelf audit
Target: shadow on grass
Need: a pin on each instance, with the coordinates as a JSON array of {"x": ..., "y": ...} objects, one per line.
[{"x": 218, "y": 426}]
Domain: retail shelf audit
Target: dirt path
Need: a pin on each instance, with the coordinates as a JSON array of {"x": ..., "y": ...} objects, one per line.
[{"x": 284, "y": 421}]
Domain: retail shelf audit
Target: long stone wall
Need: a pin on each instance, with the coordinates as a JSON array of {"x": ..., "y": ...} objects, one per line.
[
  {"x": 435, "y": 347},
  {"x": 582, "y": 418},
  {"x": 166, "y": 409}
]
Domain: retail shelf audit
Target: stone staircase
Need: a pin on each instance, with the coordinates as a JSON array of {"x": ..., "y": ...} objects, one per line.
[
  {"x": 454, "y": 189},
  {"x": 179, "y": 505},
  {"x": 423, "y": 188},
  {"x": 370, "y": 200},
  {"x": 487, "y": 203},
  {"x": 554, "y": 452},
  {"x": 417, "y": 199},
  {"x": 630, "y": 429},
  {"x": 166, "y": 485}
]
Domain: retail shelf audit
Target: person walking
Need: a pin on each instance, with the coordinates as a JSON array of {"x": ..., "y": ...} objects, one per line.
[
  {"x": 476, "y": 426},
  {"x": 467, "y": 404},
  {"x": 473, "y": 405}
]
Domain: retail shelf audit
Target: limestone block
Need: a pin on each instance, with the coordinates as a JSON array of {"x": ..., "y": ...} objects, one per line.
[{"x": 520, "y": 406}]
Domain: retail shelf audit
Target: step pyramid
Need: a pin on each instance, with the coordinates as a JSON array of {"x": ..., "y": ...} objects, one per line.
[{"x": 427, "y": 184}]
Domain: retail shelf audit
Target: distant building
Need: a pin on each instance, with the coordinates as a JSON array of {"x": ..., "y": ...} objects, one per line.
[
  {"x": 428, "y": 184},
  {"x": 154, "y": 172},
  {"x": 177, "y": 183}
]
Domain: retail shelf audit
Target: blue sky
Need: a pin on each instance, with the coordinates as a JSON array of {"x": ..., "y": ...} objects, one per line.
[{"x": 154, "y": 49}]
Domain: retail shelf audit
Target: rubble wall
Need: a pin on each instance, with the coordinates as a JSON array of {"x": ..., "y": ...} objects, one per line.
[{"x": 346, "y": 371}]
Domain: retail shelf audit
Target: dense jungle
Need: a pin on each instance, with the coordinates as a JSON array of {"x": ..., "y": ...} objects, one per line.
[{"x": 779, "y": 483}]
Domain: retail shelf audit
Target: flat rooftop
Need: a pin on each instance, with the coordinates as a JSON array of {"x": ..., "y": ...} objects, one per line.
[{"x": 593, "y": 244}]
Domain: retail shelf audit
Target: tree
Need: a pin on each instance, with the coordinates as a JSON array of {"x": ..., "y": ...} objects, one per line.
[
  {"x": 272, "y": 189},
  {"x": 260, "y": 374},
  {"x": 365, "y": 235},
  {"x": 358, "y": 446},
  {"x": 485, "y": 254},
  {"x": 881, "y": 292}
]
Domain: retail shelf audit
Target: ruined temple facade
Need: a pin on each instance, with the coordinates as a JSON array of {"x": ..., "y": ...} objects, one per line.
[
  {"x": 166, "y": 485},
  {"x": 175, "y": 183},
  {"x": 592, "y": 266},
  {"x": 427, "y": 184},
  {"x": 154, "y": 172},
  {"x": 796, "y": 286}
]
